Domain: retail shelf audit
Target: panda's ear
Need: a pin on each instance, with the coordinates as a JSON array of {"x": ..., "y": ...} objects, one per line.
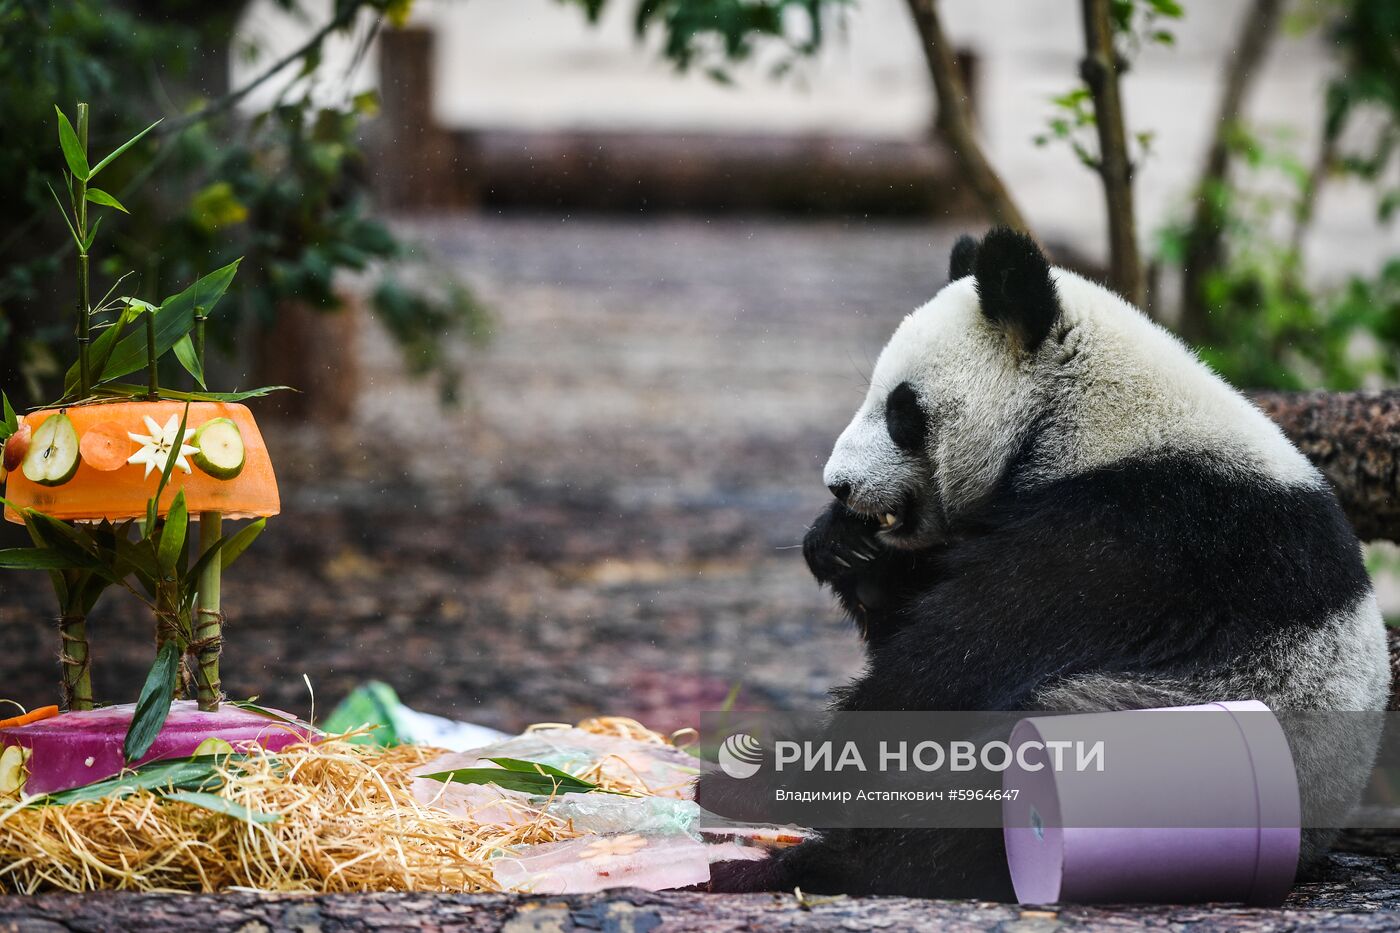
[
  {"x": 964, "y": 255},
  {"x": 1015, "y": 288}
]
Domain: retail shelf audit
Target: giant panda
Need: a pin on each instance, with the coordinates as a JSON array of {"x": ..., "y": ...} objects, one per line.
[{"x": 1046, "y": 502}]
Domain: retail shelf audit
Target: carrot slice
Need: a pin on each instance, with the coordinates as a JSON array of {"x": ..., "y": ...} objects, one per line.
[
  {"x": 34, "y": 715},
  {"x": 106, "y": 446}
]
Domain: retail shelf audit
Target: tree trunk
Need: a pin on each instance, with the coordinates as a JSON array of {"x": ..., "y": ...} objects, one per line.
[
  {"x": 955, "y": 118},
  {"x": 1204, "y": 238},
  {"x": 1100, "y": 71},
  {"x": 1354, "y": 439}
]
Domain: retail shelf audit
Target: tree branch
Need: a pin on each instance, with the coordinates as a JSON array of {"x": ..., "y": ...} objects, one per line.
[
  {"x": 1100, "y": 72},
  {"x": 220, "y": 104},
  {"x": 955, "y": 118},
  {"x": 1204, "y": 238}
]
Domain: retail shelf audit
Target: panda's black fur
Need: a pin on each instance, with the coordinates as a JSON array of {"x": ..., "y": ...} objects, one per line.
[{"x": 1157, "y": 580}]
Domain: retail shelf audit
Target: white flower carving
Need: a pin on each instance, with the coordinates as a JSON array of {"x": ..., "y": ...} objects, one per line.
[{"x": 155, "y": 448}]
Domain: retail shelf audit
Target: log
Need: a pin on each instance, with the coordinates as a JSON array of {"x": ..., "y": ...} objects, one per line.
[
  {"x": 1354, "y": 439},
  {"x": 1346, "y": 899}
]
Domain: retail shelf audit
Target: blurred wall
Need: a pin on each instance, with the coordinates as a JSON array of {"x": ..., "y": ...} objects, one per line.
[{"x": 535, "y": 65}]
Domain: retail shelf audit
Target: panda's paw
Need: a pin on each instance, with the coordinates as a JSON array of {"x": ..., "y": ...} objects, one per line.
[{"x": 841, "y": 545}]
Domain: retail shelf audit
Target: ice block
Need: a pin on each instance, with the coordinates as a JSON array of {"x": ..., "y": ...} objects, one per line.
[{"x": 79, "y": 748}]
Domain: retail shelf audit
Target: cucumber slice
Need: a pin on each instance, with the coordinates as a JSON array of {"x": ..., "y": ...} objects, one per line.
[
  {"x": 53, "y": 453},
  {"x": 220, "y": 446}
]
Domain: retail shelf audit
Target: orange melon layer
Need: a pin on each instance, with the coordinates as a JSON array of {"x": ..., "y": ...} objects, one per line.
[{"x": 122, "y": 493}]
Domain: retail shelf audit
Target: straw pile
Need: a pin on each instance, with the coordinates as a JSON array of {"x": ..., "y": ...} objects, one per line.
[{"x": 348, "y": 822}]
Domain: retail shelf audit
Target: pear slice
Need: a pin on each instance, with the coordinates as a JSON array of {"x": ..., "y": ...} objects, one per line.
[
  {"x": 53, "y": 453},
  {"x": 220, "y": 446}
]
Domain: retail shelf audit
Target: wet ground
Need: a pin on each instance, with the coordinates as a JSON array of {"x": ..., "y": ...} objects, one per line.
[{"x": 609, "y": 521}]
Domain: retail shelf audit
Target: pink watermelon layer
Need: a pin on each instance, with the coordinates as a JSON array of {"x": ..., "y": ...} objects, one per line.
[{"x": 79, "y": 748}]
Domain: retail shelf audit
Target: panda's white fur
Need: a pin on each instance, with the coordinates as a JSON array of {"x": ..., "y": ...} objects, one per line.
[
  {"x": 1122, "y": 387},
  {"x": 1080, "y": 515}
]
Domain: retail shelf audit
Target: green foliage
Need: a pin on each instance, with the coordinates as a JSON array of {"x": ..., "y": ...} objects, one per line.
[
  {"x": 1140, "y": 23},
  {"x": 1072, "y": 121},
  {"x": 1366, "y": 34},
  {"x": 286, "y": 190},
  {"x": 1268, "y": 327},
  {"x": 716, "y": 34}
]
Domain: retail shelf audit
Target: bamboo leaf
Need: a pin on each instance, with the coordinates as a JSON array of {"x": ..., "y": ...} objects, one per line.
[
  {"x": 131, "y": 390},
  {"x": 36, "y": 558},
  {"x": 154, "y": 703},
  {"x": 174, "y": 321},
  {"x": 196, "y": 773},
  {"x": 535, "y": 767},
  {"x": 58, "y": 578},
  {"x": 72, "y": 148},
  {"x": 92, "y": 234},
  {"x": 172, "y": 536},
  {"x": 240, "y": 542},
  {"x": 101, "y": 349},
  {"x": 98, "y": 196},
  {"x": 120, "y": 149},
  {"x": 223, "y": 805},
  {"x": 11, "y": 419},
  {"x": 64, "y": 211},
  {"x": 169, "y": 463},
  {"x": 531, "y": 783},
  {"x": 185, "y": 353}
]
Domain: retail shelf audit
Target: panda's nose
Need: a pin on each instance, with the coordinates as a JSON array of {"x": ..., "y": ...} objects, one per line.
[{"x": 841, "y": 491}]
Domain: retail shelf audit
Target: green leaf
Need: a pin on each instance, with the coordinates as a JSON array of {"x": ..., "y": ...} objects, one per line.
[
  {"x": 172, "y": 535},
  {"x": 73, "y": 152},
  {"x": 240, "y": 542},
  {"x": 120, "y": 149},
  {"x": 131, "y": 390},
  {"x": 221, "y": 805},
  {"x": 532, "y": 783},
  {"x": 92, "y": 234},
  {"x": 534, "y": 767},
  {"x": 135, "y": 558},
  {"x": 197, "y": 773},
  {"x": 154, "y": 703},
  {"x": 11, "y": 419},
  {"x": 184, "y": 352},
  {"x": 100, "y": 351},
  {"x": 98, "y": 196},
  {"x": 153, "y": 507},
  {"x": 174, "y": 321},
  {"x": 34, "y": 558},
  {"x": 64, "y": 211},
  {"x": 58, "y": 578}
]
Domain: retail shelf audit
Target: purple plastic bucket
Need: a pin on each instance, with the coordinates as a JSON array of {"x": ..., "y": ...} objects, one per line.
[
  {"x": 1205, "y": 813},
  {"x": 79, "y": 748}
]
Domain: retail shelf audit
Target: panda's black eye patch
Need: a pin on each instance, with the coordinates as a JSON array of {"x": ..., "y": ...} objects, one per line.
[{"x": 905, "y": 418}]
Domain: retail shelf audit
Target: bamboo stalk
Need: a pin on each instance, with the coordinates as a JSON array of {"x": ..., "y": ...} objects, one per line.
[
  {"x": 152, "y": 370},
  {"x": 84, "y": 299},
  {"x": 209, "y": 618},
  {"x": 75, "y": 660}
]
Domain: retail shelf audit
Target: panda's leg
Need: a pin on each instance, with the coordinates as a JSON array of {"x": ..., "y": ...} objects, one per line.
[
  {"x": 933, "y": 862},
  {"x": 962, "y": 863}
]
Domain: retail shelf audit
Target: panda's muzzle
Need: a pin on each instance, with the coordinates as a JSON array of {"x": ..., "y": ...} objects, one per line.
[{"x": 902, "y": 520}]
